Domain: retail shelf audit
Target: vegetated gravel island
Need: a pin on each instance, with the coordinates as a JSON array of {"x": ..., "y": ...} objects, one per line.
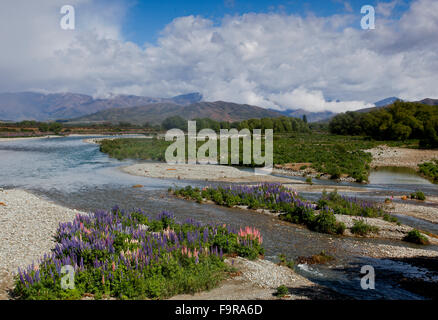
[{"x": 30, "y": 225}]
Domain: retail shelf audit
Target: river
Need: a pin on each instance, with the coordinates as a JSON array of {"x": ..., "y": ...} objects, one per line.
[{"x": 78, "y": 175}]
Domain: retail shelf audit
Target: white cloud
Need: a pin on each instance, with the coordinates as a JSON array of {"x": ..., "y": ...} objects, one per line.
[
  {"x": 270, "y": 60},
  {"x": 315, "y": 101},
  {"x": 386, "y": 8}
]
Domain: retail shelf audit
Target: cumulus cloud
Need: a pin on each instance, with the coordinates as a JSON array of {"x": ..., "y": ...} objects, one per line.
[
  {"x": 314, "y": 100},
  {"x": 272, "y": 60},
  {"x": 386, "y": 8}
]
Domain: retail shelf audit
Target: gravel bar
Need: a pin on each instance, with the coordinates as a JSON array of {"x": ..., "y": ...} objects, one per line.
[{"x": 28, "y": 224}]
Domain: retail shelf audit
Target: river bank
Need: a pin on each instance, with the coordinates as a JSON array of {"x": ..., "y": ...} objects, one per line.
[
  {"x": 28, "y": 224},
  {"x": 259, "y": 280},
  {"x": 386, "y": 230},
  {"x": 384, "y": 156},
  {"x": 29, "y": 138},
  {"x": 199, "y": 172},
  {"x": 99, "y": 138}
]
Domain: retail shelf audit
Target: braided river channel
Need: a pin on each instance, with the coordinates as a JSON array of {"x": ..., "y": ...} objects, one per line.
[{"x": 77, "y": 175}]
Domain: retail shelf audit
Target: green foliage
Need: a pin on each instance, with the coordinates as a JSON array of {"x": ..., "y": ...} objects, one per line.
[
  {"x": 361, "y": 228},
  {"x": 43, "y": 127},
  {"x": 128, "y": 256},
  {"x": 325, "y": 222},
  {"x": 55, "y": 127},
  {"x": 415, "y": 236},
  {"x": 279, "y": 125},
  {"x": 320, "y": 258},
  {"x": 335, "y": 155},
  {"x": 146, "y": 149},
  {"x": 282, "y": 291},
  {"x": 349, "y": 206},
  {"x": 399, "y": 121},
  {"x": 175, "y": 122},
  {"x": 430, "y": 170},
  {"x": 389, "y": 218},
  {"x": 418, "y": 195},
  {"x": 284, "y": 261},
  {"x": 330, "y": 154}
]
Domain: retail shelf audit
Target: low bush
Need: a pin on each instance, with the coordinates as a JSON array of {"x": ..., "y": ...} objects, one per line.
[
  {"x": 325, "y": 222},
  {"x": 282, "y": 291},
  {"x": 320, "y": 258},
  {"x": 430, "y": 170},
  {"x": 418, "y": 195},
  {"x": 415, "y": 236},
  {"x": 389, "y": 218},
  {"x": 361, "y": 228},
  {"x": 349, "y": 206},
  {"x": 284, "y": 261}
]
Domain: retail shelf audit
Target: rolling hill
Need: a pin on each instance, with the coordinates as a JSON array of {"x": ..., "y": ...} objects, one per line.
[
  {"x": 430, "y": 102},
  {"x": 37, "y": 106},
  {"x": 155, "y": 113},
  {"x": 311, "y": 116}
]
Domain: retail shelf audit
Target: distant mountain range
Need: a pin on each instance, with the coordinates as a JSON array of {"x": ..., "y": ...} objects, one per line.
[
  {"x": 155, "y": 113},
  {"x": 42, "y": 107},
  {"x": 311, "y": 116},
  {"x": 430, "y": 102},
  {"x": 140, "y": 109},
  {"x": 386, "y": 102}
]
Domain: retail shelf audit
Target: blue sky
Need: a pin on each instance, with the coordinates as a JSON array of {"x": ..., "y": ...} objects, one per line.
[
  {"x": 145, "y": 19},
  {"x": 285, "y": 54}
]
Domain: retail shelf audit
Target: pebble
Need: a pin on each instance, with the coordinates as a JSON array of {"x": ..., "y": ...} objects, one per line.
[{"x": 27, "y": 229}]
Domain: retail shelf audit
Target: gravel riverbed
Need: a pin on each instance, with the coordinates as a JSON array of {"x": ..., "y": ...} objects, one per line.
[
  {"x": 199, "y": 172},
  {"x": 384, "y": 156},
  {"x": 28, "y": 224}
]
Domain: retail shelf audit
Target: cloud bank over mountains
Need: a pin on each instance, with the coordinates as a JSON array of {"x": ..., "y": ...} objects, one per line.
[{"x": 271, "y": 60}]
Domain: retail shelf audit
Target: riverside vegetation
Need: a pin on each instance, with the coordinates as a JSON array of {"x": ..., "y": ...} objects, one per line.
[
  {"x": 328, "y": 154},
  {"x": 318, "y": 216},
  {"x": 399, "y": 121},
  {"x": 339, "y": 153},
  {"x": 129, "y": 255},
  {"x": 430, "y": 170}
]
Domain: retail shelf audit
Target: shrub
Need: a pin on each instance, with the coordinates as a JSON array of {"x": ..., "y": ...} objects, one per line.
[
  {"x": 325, "y": 222},
  {"x": 309, "y": 180},
  {"x": 419, "y": 195},
  {"x": 282, "y": 291},
  {"x": 415, "y": 236},
  {"x": 362, "y": 228},
  {"x": 285, "y": 262},
  {"x": 430, "y": 170},
  {"x": 320, "y": 258},
  {"x": 389, "y": 218},
  {"x": 348, "y": 206}
]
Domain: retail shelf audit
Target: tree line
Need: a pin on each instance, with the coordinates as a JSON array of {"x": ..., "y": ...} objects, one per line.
[
  {"x": 279, "y": 125},
  {"x": 399, "y": 121}
]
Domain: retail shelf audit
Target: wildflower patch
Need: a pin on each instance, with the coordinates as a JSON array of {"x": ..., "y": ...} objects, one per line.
[{"x": 129, "y": 255}]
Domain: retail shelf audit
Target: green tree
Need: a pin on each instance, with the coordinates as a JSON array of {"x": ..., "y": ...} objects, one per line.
[
  {"x": 43, "y": 127},
  {"x": 175, "y": 122}
]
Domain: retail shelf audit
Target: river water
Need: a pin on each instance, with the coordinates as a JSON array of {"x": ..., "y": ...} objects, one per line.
[{"x": 78, "y": 175}]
